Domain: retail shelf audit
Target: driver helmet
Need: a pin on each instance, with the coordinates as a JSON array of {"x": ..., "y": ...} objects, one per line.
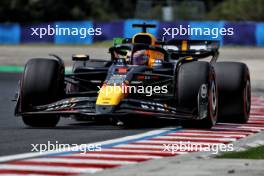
[{"x": 140, "y": 58}]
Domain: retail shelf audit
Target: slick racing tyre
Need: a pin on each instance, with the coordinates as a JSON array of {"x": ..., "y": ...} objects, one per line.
[
  {"x": 233, "y": 81},
  {"x": 197, "y": 89},
  {"x": 42, "y": 83}
]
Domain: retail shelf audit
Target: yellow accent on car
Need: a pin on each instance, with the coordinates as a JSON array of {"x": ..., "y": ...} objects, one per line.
[
  {"x": 184, "y": 45},
  {"x": 153, "y": 55},
  {"x": 143, "y": 35},
  {"x": 110, "y": 95},
  {"x": 189, "y": 58}
]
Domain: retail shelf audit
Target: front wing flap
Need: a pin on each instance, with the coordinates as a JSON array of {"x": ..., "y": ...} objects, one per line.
[{"x": 86, "y": 106}]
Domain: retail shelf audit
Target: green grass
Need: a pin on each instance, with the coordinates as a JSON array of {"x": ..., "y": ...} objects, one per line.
[
  {"x": 20, "y": 69},
  {"x": 12, "y": 69},
  {"x": 252, "y": 153},
  {"x": 102, "y": 44}
]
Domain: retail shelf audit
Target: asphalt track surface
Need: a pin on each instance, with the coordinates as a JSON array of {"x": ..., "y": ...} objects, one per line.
[
  {"x": 16, "y": 138},
  {"x": 134, "y": 149}
]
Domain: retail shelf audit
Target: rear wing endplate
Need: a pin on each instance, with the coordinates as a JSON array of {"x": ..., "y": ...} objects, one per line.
[{"x": 192, "y": 45}]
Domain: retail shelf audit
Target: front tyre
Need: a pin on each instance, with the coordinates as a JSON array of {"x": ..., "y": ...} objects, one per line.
[
  {"x": 42, "y": 83},
  {"x": 197, "y": 89}
]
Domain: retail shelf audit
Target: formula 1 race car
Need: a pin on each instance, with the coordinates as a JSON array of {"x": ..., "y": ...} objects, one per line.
[{"x": 144, "y": 78}]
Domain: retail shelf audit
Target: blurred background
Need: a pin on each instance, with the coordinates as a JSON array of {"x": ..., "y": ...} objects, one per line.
[
  {"x": 115, "y": 17},
  {"x": 25, "y": 11}
]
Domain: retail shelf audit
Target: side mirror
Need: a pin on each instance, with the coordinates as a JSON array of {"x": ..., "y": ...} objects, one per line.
[{"x": 80, "y": 57}]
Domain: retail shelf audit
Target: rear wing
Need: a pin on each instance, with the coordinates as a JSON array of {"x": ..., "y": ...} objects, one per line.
[
  {"x": 198, "y": 48},
  {"x": 192, "y": 45}
]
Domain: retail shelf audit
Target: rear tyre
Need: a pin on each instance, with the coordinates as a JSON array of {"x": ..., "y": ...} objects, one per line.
[
  {"x": 42, "y": 83},
  {"x": 192, "y": 78},
  {"x": 233, "y": 81}
]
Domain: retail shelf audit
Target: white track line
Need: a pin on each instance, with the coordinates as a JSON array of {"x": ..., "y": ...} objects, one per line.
[
  {"x": 216, "y": 132},
  {"x": 205, "y": 135},
  {"x": 142, "y": 146},
  {"x": 200, "y": 138},
  {"x": 80, "y": 161},
  {"x": 163, "y": 148},
  {"x": 258, "y": 116},
  {"x": 137, "y": 151},
  {"x": 176, "y": 142},
  {"x": 48, "y": 168},
  {"x": 108, "y": 142},
  {"x": 236, "y": 128},
  {"x": 257, "y": 106},
  {"x": 239, "y": 126},
  {"x": 114, "y": 156}
]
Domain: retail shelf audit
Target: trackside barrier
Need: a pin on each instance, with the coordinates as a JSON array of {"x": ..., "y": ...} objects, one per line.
[
  {"x": 245, "y": 33},
  {"x": 9, "y": 34}
]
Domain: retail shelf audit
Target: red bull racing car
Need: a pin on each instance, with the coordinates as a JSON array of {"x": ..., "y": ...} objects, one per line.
[{"x": 144, "y": 78}]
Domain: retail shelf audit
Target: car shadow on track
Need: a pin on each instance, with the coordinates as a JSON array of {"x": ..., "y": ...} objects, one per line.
[
  {"x": 129, "y": 125},
  {"x": 98, "y": 125}
]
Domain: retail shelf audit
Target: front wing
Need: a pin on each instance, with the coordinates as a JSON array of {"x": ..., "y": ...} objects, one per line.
[{"x": 86, "y": 106}]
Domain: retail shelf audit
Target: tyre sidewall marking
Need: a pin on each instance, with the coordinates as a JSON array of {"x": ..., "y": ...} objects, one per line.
[{"x": 212, "y": 96}]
